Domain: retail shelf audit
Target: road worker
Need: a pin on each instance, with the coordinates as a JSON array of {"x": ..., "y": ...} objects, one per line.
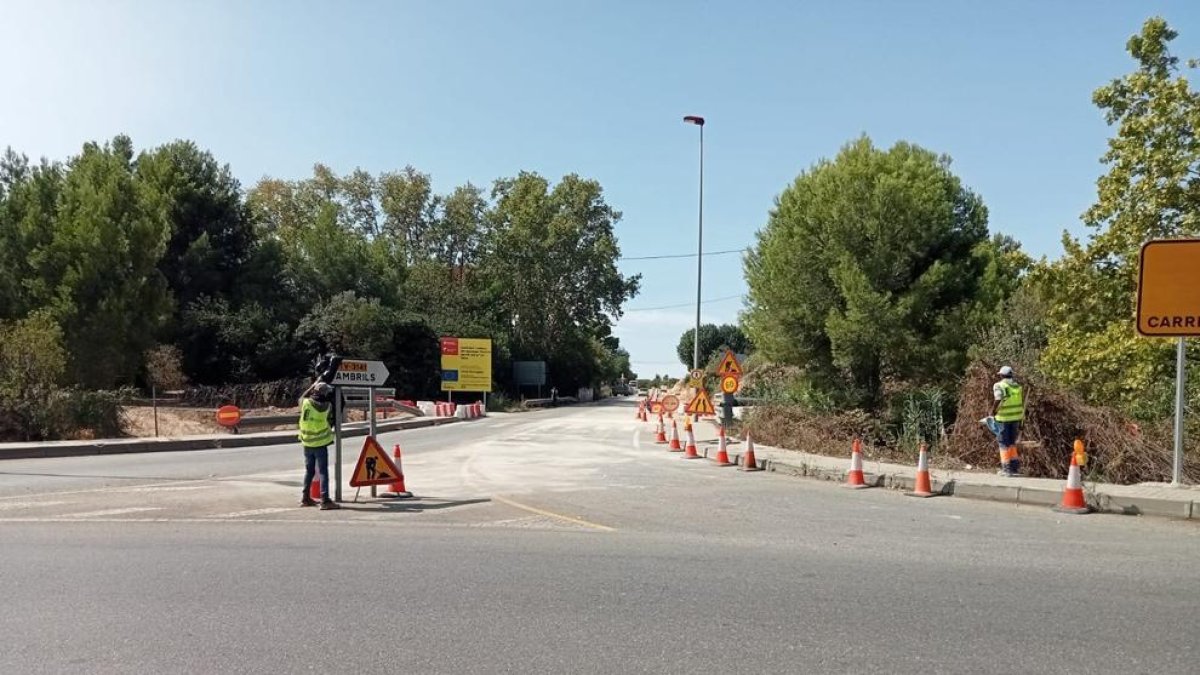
[
  {"x": 316, "y": 433},
  {"x": 1008, "y": 411}
]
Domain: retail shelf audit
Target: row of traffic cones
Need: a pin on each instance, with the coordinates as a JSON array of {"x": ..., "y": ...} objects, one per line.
[
  {"x": 1073, "y": 500},
  {"x": 689, "y": 450}
]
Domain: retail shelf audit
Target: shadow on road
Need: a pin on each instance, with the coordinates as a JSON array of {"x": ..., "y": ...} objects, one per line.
[{"x": 414, "y": 504}]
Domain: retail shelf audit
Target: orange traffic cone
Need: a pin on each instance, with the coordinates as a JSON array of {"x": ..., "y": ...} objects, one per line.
[
  {"x": 749, "y": 463},
  {"x": 660, "y": 436},
  {"x": 398, "y": 491},
  {"x": 1073, "y": 500},
  {"x": 855, "y": 479},
  {"x": 922, "y": 488},
  {"x": 690, "y": 451},
  {"x": 637, "y": 414},
  {"x": 314, "y": 489},
  {"x": 675, "y": 447},
  {"x": 722, "y": 450}
]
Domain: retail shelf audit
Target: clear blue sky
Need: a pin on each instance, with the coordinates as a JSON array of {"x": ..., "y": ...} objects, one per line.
[{"x": 471, "y": 91}]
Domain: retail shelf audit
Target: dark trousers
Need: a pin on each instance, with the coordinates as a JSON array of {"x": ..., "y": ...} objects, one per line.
[
  {"x": 1009, "y": 433},
  {"x": 317, "y": 460}
]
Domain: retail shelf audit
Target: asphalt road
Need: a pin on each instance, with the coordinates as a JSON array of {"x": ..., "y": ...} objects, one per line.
[{"x": 561, "y": 542}]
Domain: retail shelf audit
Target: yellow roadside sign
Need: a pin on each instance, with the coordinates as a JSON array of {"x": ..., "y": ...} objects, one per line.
[
  {"x": 701, "y": 404},
  {"x": 729, "y": 365},
  {"x": 1168, "y": 297}
]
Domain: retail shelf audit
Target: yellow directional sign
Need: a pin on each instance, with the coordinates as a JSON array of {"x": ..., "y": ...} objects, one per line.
[
  {"x": 1168, "y": 298},
  {"x": 374, "y": 466},
  {"x": 729, "y": 365},
  {"x": 701, "y": 405}
]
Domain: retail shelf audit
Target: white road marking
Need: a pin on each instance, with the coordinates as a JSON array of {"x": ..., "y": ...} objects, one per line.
[
  {"x": 251, "y": 512},
  {"x": 110, "y": 512},
  {"x": 27, "y": 505},
  {"x": 165, "y": 488}
]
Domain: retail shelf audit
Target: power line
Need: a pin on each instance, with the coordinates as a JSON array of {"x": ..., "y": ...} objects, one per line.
[
  {"x": 686, "y": 304},
  {"x": 683, "y": 255}
]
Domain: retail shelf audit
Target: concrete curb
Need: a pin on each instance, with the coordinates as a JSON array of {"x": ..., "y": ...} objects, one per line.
[
  {"x": 211, "y": 442},
  {"x": 1100, "y": 501}
]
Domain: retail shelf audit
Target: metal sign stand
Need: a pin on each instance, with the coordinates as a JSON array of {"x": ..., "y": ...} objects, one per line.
[
  {"x": 1180, "y": 385},
  {"x": 371, "y": 429},
  {"x": 337, "y": 444}
]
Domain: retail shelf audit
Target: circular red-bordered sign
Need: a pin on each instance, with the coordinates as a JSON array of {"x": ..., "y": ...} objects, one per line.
[
  {"x": 229, "y": 415},
  {"x": 730, "y": 384},
  {"x": 670, "y": 403}
]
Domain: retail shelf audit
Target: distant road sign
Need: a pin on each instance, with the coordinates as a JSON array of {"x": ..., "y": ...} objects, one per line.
[
  {"x": 670, "y": 403},
  {"x": 701, "y": 405},
  {"x": 229, "y": 415},
  {"x": 730, "y": 384},
  {"x": 696, "y": 378},
  {"x": 730, "y": 365},
  {"x": 359, "y": 373},
  {"x": 1168, "y": 292}
]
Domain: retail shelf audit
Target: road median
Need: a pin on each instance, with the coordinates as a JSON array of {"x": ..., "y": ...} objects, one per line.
[
  {"x": 115, "y": 446},
  {"x": 1150, "y": 499}
]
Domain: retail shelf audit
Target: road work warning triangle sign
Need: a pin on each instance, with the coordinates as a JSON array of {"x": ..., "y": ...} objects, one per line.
[
  {"x": 374, "y": 466},
  {"x": 729, "y": 365},
  {"x": 701, "y": 405}
]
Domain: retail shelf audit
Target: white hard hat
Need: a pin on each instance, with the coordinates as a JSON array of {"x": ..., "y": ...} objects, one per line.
[{"x": 1006, "y": 371}]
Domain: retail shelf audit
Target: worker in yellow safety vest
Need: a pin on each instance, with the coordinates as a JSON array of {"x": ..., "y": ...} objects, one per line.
[
  {"x": 316, "y": 433},
  {"x": 1008, "y": 411}
]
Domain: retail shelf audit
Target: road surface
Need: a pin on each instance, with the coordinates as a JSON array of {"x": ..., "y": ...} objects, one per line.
[{"x": 564, "y": 541}]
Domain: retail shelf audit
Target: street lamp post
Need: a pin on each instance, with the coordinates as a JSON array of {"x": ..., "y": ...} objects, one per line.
[{"x": 698, "y": 121}]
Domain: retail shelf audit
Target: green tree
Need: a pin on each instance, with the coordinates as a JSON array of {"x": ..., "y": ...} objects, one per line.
[
  {"x": 870, "y": 268},
  {"x": 1151, "y": 191},
  {"x": 713, "y": 339},
  {"x": 211, "y": 237},
  {"x": 98, "y": 273},
  {"x": 552, "y": 265}
]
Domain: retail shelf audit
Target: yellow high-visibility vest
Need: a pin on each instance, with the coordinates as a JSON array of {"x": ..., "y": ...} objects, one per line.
[
  {"x": 315, "y": 431},
  {"x": 1012, "y": 403}
]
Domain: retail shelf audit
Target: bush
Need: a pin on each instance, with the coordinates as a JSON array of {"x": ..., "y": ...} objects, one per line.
[{"x": 279, "y": 393}]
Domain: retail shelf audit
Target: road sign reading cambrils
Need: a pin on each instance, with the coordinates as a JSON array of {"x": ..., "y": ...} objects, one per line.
[
  {"x": 229, "y": 415},
  {"x": 1168, "y": 297},
  {"x": 730, "y": 384},
  {"x": 670, "y": 403}
]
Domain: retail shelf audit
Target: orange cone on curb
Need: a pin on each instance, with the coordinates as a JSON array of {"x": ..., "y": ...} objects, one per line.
[
  {"x": 1073, "y": 500},
  {"x": 690, "y": 450},
  {"x": 660, "y": 435},
  {"x": 922, "y": 488},
  {"x": 749, "y": 463},
  {"x": 854, "y": 479},
  {"x": 722, "y": 458},
  {"x": 398, "y": 491},
  {"x": 675, "y": 447}
]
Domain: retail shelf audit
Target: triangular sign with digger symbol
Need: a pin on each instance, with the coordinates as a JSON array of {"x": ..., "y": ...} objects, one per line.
[
  {"x": 729, "y": 365},
  {"x": 701, "y": 405},
  {"x": 374, "y": 467}
]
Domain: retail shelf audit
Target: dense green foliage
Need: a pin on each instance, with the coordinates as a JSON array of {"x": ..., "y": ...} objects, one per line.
[
  {"x": 132, "y": 261},
  {"x": 1151, "y": 191},
  {"x": 713, "y": 340},
  {"x": 875, "y": 266}
]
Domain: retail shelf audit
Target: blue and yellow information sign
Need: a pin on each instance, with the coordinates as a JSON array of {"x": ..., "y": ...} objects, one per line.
[{"x": 466, "y": 364}]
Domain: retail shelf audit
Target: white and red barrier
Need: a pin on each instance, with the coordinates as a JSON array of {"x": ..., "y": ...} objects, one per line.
[{"x": 465, "y": 411}]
